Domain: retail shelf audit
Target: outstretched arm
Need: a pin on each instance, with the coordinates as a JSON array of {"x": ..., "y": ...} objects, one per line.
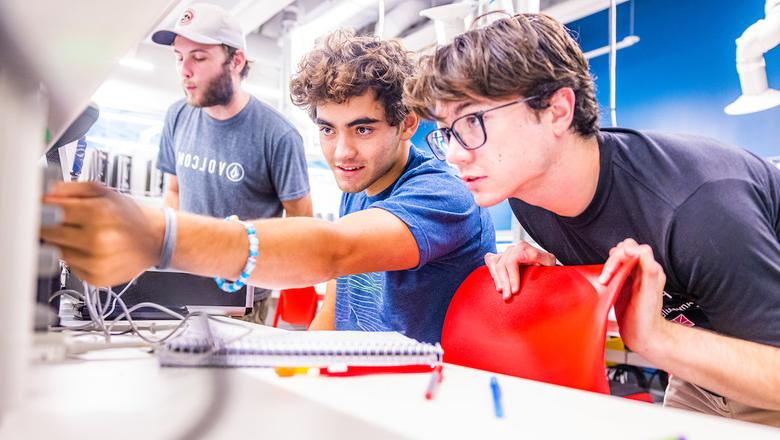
[{"x": 108, "y": 238}]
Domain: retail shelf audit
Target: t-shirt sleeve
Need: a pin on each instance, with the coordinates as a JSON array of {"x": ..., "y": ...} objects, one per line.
[
  {"x": 439, "y": 212},
  {"x": 289, "y": 172},
  {"x": 725, "y": 249},
  {"x": 166, "y": 156}
]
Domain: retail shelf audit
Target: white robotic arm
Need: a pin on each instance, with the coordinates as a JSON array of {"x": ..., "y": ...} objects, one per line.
[{"x": 757, "y": 39}]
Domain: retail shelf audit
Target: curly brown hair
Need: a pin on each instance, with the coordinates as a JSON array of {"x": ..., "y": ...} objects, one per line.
[
  {"x": 345, "y": 65},
  {"x": 525, "y": 55}
]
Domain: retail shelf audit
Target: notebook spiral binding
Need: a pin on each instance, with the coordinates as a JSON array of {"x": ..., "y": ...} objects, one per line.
[{"x": 309, "y": 349}]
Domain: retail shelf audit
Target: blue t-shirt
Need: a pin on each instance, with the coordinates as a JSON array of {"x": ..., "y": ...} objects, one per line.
[{"x": 453, "y": 235}]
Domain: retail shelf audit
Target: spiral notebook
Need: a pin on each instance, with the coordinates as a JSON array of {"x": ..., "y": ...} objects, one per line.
[{"x": 297, "y": 348}]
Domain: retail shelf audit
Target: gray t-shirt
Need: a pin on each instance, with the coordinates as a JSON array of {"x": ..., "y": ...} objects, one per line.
[{"x": 245, "y": 165}]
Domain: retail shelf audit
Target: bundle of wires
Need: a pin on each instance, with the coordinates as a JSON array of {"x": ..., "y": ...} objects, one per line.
[{"x": 99, "y": 309}]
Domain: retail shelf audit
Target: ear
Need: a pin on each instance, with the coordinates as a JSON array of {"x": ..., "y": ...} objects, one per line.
[
  {"x": 409, "y": 126},
  {"x": 238, "y": 62},
  {"x": 561, "y": 110}
]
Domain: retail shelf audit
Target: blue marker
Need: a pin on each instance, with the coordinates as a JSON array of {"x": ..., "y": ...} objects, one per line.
[
  {"x": 496, "y": 391},
  {"x": 78, "y": 159}
]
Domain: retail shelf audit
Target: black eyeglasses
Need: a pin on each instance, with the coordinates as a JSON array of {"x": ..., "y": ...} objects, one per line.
[{"x": 468, "y": 129}]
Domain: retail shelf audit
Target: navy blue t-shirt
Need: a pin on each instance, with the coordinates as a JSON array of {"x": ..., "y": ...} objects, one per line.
[
  {"x": 453, "y": 235},
  {"x": 710, "y": 212}
]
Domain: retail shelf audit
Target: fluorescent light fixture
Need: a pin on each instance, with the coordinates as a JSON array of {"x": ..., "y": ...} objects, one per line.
[
  {"x": 628, "y": 41},
  {"x": 133, "y": 96},
  {"x": 568, "y": 11},
  {"x": 137, "y": 64},
  {"x": 330, "y": 16}
]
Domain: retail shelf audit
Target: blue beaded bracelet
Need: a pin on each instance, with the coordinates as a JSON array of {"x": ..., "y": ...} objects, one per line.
[{"x": 251, "y": 261}]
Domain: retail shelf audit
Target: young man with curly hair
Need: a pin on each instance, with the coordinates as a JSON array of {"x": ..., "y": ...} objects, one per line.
[
  {"x": 409, "y": 231},
  {"x": 518, "y": 117}
]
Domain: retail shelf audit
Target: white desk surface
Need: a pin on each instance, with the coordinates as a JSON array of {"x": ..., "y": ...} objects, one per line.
[{"x": 124, "y": 394}]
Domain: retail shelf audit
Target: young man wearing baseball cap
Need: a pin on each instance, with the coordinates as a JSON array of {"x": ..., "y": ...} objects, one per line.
[{"x": 225, "y": 152}]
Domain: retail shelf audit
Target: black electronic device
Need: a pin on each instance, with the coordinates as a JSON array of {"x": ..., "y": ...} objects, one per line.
[
  {"x": 140, "y": 314},
  {"x": 182, "y": 292}
]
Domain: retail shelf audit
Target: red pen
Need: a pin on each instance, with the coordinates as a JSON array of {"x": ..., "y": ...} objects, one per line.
[
  {"x": 436, "y": 377},
  {"x": 379, "y": 369}
]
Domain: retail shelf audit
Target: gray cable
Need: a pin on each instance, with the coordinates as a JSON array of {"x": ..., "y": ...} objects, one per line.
[
  {"x": 70, "y": 292},
  {"x": 98, "y": 323},
  {"x": 195, "y": 359},
  {"x": 219, "y": 383},
  {"x": 217, "y": 398},
  {"x": 119, "y": 295},
  {"x": 127, "y": 314}
]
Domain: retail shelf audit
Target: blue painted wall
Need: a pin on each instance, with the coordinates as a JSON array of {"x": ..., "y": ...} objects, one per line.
[{"x": 682, "y": 73}]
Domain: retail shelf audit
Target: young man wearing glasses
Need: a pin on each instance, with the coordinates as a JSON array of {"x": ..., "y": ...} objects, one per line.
[
  {"x": 409, "y": 233},
  {"x": 708, "y": 215}
]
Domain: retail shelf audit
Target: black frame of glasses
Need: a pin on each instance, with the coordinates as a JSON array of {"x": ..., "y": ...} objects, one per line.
[{"x": 448, "y": 132}]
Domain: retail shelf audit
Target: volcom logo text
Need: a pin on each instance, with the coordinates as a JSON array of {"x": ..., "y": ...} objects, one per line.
[{"x": 232, "y": 171}]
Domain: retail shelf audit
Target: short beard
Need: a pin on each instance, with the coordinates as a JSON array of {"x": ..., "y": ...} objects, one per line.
[{"x": 219, "y": 91}]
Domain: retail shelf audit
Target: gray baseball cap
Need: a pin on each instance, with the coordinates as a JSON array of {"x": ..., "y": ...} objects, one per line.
[{"x": 204, "y": 23}]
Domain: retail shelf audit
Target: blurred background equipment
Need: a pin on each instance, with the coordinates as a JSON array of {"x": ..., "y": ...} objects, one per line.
[
  {"x": 758, "y": 39},
  {"x": 52, "y": 66}
]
